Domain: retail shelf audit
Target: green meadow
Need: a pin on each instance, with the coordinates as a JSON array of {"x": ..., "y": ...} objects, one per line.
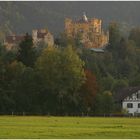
[{"x": 68, "y": 127}]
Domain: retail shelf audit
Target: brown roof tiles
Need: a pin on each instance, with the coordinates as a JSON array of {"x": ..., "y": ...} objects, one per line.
[
  {"x": 123, "y": 93},
  {"x": 11, "y": 39}
]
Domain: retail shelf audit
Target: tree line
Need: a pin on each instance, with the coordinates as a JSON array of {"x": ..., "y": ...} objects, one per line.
[{"x": 67, "y": 78}]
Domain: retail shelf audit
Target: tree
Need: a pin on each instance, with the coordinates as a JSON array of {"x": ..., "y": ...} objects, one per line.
[
  {"x": 104, "y": 103},
  {"x": 28, "y": 92},
  {"x": 107, "y": 83},
  {"x": 126, "y": 59},
  {"x": 135, "y": 81},
  {"x": 114, "y": 35},
  {"x": 7, "y": 56},
  {"x": 63, "y": 41},
  {"x": 21, "y": 88},
  {"x": 62, "y": 75},
  {"x": 9, "y": 79},
  {"x": 126, "y": 48},
  {"x": 89, "y": 90},
  {"x": 119, "y": 83},
  {"x": 108, "y": 103},
  {"x": 135, "y": 36},
  {"x": 26, "y": 53}
]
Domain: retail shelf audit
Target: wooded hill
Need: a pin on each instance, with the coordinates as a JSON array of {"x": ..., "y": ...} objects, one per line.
[{"x": 21, "y": 17}]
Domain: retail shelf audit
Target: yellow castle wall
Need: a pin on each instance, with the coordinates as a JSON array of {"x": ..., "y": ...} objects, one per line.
[{"x": 92, "y": 27}]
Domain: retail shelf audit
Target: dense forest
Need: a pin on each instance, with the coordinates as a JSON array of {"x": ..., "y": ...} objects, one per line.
[{"x": 68, "y": 79}]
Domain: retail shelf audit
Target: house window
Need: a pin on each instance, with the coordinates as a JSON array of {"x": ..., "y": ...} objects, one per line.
[
  {"x": 129, "y": 105},
  {"x": 138, "y": 105}
]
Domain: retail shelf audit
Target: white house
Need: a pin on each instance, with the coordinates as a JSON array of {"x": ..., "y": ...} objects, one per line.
[
  {"x": 130, "y": 100},
  {"x": 132, "y": 103}
]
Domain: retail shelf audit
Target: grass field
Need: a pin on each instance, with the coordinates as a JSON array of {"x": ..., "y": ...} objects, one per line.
[{"x": 68, "y": 127}]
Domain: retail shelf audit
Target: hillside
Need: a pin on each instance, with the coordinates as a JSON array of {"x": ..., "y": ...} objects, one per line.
[{"x": 24, "y": 16}]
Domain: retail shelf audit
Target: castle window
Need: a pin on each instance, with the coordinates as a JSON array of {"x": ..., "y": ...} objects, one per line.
[
  {"x": 138, "y": 105},
  {"x": 81, "y": 30},
  {"x": 129, "y": 105}
]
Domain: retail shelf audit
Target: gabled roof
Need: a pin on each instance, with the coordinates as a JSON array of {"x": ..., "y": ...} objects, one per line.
[{"x": 125, "y": 92}]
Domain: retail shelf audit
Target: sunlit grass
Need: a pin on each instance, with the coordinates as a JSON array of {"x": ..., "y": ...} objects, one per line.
[{"x": 68, "y": 127}]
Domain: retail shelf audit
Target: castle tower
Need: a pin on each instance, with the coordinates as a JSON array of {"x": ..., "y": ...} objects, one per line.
[
  {"x": 85, "y": 17},
  {"x": 34, "y": 35},
  {"x": 48, "y": 39},
  {"x": 68, "y": 26}
]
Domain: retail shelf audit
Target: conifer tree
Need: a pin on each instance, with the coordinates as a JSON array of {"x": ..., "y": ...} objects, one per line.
[{"x": 26, "y": 53}]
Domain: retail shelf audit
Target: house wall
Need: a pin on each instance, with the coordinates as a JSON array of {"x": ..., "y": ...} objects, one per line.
[{"x": 133, "y": 110}]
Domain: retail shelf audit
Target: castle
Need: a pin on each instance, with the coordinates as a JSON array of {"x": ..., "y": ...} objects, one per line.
[
  {"x": 89, "y": 31},
  {"x": 43, "y": 35}
]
